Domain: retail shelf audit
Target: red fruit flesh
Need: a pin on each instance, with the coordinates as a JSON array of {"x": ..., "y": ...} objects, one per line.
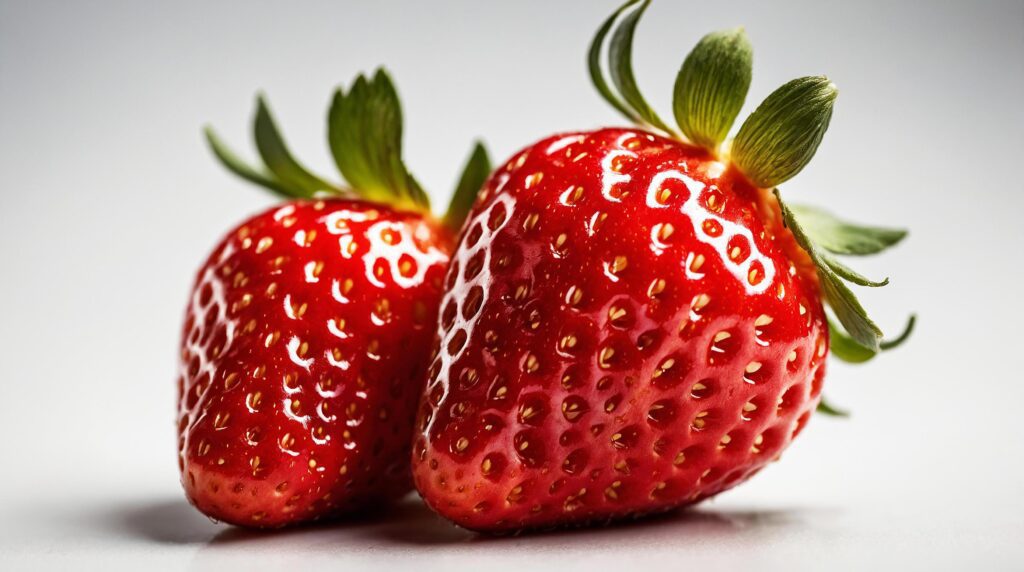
[
  {"x": 627, "y": 328},
  {"x": 304, "y": 350}
]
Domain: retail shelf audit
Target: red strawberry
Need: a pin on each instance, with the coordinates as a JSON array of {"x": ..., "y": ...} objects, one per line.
[
  {"x": 309, "y": 328},
  {"x": 629, "y": 325}
]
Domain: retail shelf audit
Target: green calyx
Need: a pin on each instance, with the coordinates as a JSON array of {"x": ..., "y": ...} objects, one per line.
[
  {"x": 823, "y": 236},
  {"x": 364, "y": 130},
  {"x": 772, "y": 145},
  {"x": 856, "y": 338},
  {"x": 712, "y": 85},
  {"x": 778, "y": 140}
]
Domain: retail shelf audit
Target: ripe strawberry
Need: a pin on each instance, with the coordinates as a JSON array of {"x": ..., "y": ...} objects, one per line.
[
  {"x": 309, "y": 328},
  {"x": 629, "y": 325}
]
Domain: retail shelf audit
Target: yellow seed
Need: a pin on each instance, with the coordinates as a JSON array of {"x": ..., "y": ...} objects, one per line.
[
  {"x": 531, "y": 364},
  {"x": 664, "y": 231},
  {"x": 699, "y": 301},
  {"x": 618, "y": 264},
  {"x": 656, "y": 287},
  {"x": 665, "y": 366},
  {"x": 531, "y": 222},
  {"x": 573, "y": 295},
  {"x": 616, "y": 313}
]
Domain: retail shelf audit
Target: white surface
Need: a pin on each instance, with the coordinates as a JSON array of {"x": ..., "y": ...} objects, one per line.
[{"x": 109, "y": 201}]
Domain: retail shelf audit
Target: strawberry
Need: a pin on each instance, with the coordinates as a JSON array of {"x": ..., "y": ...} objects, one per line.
[
  {"x": 309, "y": 327},
  {"x": 633, "y": 320}
]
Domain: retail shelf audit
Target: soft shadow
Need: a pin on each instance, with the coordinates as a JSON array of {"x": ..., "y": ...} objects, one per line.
[
  {"x": 165, "y": 522},
  {"x": 422, "y": 527},
  {"x": 409, "y": 519},
  {"x": 410, "y": 524}
]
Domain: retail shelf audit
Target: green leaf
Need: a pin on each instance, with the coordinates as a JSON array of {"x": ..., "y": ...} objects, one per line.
[
  {"x": 842, "y": 237},
  {"x": 594, "y": 65},
  {"x": 474, "y": 174},
  {"x": 825, "y": 408},
  {"x": 620, "y": 64},
  {"x": 887, "y": 345},
  {"x": 233, "y": 163},
  {"x": 278, "y": 159},
  {"x": 778, "y": 140},
  {"x": 847, "y": 273},
  {"x": 844, "y": 303},
  {"x": 848, "y": 310},
  {"x": 845, "y": 348},
  {"x": 365, "y": 136},
  {"x": 712, "y": 85}
]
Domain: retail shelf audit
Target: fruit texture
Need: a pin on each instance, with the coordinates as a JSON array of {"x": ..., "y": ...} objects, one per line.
[
  {"x": 631, "y": 324},
  {"x": 308, "y": 333}
]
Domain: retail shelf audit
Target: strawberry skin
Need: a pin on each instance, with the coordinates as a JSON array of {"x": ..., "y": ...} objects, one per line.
[
  {"x": 304, "y": 349},
  {"x": 627, "y": 328}
]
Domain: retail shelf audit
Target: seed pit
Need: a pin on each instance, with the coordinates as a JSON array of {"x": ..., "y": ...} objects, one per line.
[
  {"x": 493, "y": 466},
  {"x": 472, "y": 303},
  {"x": 473, "y": 267},
  {"x": 457, "y": 342},
  {"x": 575, "y": 462},
  {"x": 497, "y": 216},
  {"x": 573, "y": 407},
  {"x": 662, "y": 413},
  {"x": 738, "y": 249},
  {"x": 703, "y": 388},
  {"x": 793, "y": 397},
  {"x": 528, "y": 448},
  {"x": 712, "y": 228},
  {"x": 474, "y": 235}
]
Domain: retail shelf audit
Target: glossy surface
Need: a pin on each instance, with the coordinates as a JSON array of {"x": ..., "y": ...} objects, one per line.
[
  {"x": 623, "y": 332},
  {"x": 305, "y": 344}
]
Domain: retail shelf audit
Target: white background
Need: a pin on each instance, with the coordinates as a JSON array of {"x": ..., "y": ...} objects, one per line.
[{"x": 109, "y": 201}]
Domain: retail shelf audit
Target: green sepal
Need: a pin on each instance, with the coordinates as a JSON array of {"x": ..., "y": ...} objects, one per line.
[
  {"x": 620, "y": 64},
  {"x": 236, "y": 165},
  {"x": 275, "y": 154},
  {"x": 847, "y": 273},
  {"x": 846, "y": 349},
  {"x": 844, "y": 303},
  {"x": 826, "y": 408},
  {"x": 365, "y": 136},
  {"x": 474, "y": 175},
  {"x": 712, "y": 85},
  {"x": 781, "y": 136},
  {"x": 843, "y": 237},
  {"x": 886, "y": 345},
  {"x": 597, "y": 73},
  {"x": 848, "y": 309}
]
